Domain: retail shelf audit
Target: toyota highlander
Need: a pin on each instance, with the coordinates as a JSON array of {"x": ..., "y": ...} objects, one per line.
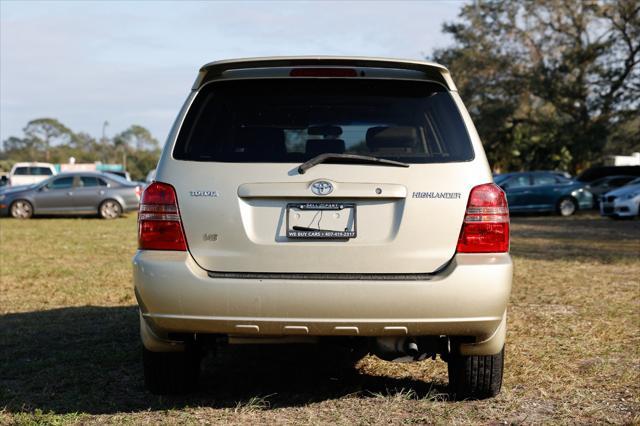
[{"x": 300, "y": 199}]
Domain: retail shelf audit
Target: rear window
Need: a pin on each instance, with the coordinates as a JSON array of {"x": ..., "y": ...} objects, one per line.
[
  {"x": 115, "y": 179},
  {"x": 33, "y": 171},
  {"x": 88, "y": 181},
  {"x": 294, "y": 120},
  {"x": 41, "y": 171}
]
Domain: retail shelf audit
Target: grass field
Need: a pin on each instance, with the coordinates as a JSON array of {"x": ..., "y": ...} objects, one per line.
[{"x": 70, "y": 352}]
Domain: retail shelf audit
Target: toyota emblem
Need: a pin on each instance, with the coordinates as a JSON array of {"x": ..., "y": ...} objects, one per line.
[{"x": 321, "y": 187}]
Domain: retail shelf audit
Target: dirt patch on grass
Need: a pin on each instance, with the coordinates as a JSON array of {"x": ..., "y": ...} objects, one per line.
[{"x": 70, "y": 352}]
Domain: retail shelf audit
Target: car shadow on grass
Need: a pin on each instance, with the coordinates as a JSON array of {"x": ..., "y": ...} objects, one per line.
[{"x": 87, "y": 360}]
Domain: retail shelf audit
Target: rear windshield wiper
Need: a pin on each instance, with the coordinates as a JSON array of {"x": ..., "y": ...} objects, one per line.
[{"x": 347, "y": 158}]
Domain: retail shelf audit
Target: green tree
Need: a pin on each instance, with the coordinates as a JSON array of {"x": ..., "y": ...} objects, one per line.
[
  {"x": 45, "y": 132},
  {"x": 138, "y": 138},
  {"x": 547, "y": 81},
  {"x": 138, "y": 149},
  {"x": 21, "y": 149},
  {"x": 50, "y": 140}
]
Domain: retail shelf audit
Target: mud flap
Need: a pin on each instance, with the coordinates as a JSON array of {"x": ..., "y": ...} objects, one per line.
[
  {"x": 154, "y": 343},
  {"x": 490, "y": 346}
]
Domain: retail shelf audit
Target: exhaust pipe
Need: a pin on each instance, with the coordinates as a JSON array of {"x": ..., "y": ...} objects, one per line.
[
  {"x": 398, "y": 349},
  {"x": 407, "y": 349},
  {"x": 412, "y": 348}
]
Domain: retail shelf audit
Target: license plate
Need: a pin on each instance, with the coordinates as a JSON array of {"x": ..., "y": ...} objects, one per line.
[{"x": 321, "y": 220}]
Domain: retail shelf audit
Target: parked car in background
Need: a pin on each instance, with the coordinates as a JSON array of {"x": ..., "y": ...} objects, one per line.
[
  {"x": 560, "y": 173},
  {"x": 544, "y": 192},
  {"x": 123, "y": 174},
  {"x": 593, "y": 173},
  {"x": 30, "y": 173},
  {"x": 72, "y": 193},
  {"x": 622, "y": 202},
  {"x": 600, "y": 186}
]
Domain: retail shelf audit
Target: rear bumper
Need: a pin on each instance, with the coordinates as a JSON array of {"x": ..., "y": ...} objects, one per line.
[{"x": 468, "y": 298}]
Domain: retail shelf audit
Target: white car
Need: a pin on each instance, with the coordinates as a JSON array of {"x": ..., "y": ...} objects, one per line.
[
  {"x": 300, "y": 199},
  {"x": 622, "y": 202},
  {"x": 30, "y": 173}
]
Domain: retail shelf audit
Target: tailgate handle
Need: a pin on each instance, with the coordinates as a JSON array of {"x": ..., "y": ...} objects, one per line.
[{"x": 303, "y": 190}]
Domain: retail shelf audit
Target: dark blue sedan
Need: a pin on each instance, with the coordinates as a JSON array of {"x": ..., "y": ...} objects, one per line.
[{"x": 544, "y": 192}]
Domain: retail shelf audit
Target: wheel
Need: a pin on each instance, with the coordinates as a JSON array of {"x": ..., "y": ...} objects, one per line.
[
  {"x": 567, "y": 206},
  {"x": 21, "y": 209},
  {"x": 168, "y": 373},
  {"x": 475, "y": 377},
  {"x": 110, "y": 209}
]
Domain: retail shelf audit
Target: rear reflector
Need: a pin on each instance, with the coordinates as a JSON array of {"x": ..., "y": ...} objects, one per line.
[
  {"x": 486, "y": 222},
  {"x": 323, "y": 72},
  {"x": 159, "y": 223}
]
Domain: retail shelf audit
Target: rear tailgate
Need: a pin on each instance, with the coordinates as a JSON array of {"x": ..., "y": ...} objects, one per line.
[
  {"x": 234, "y": 166},
  {"x": 235, "y": 221}
]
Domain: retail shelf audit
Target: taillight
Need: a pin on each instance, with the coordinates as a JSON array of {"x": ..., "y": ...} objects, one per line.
[
  {"x": 159, "y": 223},
  {"x": 138, "y": 192},
  {"x": 486, "y": 222}
]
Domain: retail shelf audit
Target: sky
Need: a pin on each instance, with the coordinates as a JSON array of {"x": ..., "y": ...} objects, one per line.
[{"x": 133, "y": 62}]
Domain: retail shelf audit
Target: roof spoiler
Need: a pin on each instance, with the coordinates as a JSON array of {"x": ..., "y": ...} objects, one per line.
[{"x": 215, "y": 70}]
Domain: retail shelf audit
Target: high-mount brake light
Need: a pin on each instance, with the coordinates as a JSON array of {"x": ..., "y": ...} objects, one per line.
[
  {"x": 323, "y": 72},
  {"x": 486, "y": 222},
  {"x": 159, "y": 223}
]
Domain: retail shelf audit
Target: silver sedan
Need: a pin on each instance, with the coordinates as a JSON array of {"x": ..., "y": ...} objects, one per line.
[{"x": 72, "y": 193}]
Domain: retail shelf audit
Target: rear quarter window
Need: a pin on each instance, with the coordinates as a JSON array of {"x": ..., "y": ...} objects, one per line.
[
  {"x": 89, "y": 181},
  {"x": 541, "y": 180},
  {"x": 294, "y": 120},
  {"x": 518, "y": 182}
]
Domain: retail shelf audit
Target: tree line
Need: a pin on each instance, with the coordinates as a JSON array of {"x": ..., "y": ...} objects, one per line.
[
  {"x": 46, "y": 139},
  {"x": 550, "y": 84}
]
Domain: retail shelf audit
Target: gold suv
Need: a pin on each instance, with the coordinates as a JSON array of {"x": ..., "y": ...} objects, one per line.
[{"x": 301, "y": 198}]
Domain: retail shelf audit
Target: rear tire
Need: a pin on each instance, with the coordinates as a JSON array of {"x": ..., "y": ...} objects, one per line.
[
  {"x": 21, "y": 209},
  {"x": 567, "y": 206},
  {"x": 475, "y": 377},
  {"x": 110, "y": 209},
  {"x": 171, "y": 373}
]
